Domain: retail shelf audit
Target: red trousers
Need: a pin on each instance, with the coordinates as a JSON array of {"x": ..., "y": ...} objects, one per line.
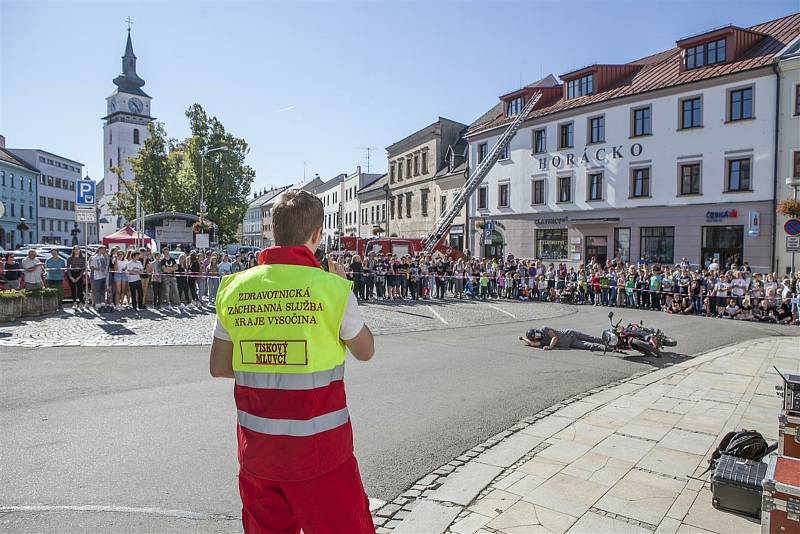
[{"x": 334, "y": 503}]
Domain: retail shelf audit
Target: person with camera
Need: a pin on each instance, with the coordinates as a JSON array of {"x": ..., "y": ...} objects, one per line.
[{"x": 282, "y": 332}]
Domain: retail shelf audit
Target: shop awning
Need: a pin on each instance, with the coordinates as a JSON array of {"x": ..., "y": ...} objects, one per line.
[{"x": 594, "y": 221}]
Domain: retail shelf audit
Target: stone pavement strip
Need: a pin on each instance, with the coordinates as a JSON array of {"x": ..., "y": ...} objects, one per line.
[{"x": 623, "y": 458}]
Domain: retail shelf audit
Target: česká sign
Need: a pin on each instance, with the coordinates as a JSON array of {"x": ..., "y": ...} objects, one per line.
[{"x": 719, "y": 216}]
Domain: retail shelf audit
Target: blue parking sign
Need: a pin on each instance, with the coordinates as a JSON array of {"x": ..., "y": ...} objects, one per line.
[{"x": 85, "y": 193}]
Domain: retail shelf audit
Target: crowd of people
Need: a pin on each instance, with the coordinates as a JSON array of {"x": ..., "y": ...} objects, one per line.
[
  {"x": 172, "y": 280},
  {"x": 734, "y": 292}
]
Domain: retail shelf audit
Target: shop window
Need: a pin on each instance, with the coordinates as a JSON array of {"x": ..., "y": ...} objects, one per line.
[
  {"x": 740, "y": 104},
  {"x": 640, "y": 182},
  {"x": 565, "y": 188},
  {"x": 483, "y": 197},
  {"x": 594, "y": 186},
  {"x": 483, "y": 150},
  {"x": 539, "y": 141},
  {"x": 622, "y": 244},
  {"x": 566, "y": 135},
  {"x": 690, "y": 179},
  {"x": 691, "y": 112},
  {"x": 503, "y": 195},
  {"x": 537, "y": 196},
  {"x": 657, "y": 244},
  {"x": 641, "y": 121},
  {"x": 551, "y": 244},
  {"x": 597, "y": 129},
  {"x": 738, "y": 175},
  {"x": 723, "y": 244}
]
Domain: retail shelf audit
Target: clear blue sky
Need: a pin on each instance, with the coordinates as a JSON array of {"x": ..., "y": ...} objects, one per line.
[{"x": 314, "y": 82}]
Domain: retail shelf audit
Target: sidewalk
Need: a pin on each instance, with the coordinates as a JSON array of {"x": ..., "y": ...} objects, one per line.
[{"x": 614, "y": 460}]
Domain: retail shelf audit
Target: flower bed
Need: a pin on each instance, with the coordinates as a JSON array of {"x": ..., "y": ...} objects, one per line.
[{"x": 11, "y": 302}]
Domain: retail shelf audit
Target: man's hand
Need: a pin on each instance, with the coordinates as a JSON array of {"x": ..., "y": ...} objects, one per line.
[
  {"x": 336, "y": 268},
  {"x": 547, "y": 347}
]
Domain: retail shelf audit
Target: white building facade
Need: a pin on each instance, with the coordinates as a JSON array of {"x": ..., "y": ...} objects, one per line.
[
  {"x": 788, "y": 152},
  {"x": 56, "y": 196},
  {"x": 331, "y": 194},
  {"x": 658, "y": 158},
  {"x": 124, "y": 132}
]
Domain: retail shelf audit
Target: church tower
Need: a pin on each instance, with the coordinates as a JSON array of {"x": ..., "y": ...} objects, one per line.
[{"x": 124, "y": 132}]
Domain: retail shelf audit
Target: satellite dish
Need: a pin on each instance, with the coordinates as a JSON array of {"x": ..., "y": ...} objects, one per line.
[{"x": 2, "y": 210}]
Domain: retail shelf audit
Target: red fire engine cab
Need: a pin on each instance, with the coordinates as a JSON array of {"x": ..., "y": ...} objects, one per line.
[{"x": 401, "y": 246}]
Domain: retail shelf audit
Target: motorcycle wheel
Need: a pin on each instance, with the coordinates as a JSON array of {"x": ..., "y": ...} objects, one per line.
[
  {"x": 669, "y": 342},
  {"x": 645, "y": 348}
]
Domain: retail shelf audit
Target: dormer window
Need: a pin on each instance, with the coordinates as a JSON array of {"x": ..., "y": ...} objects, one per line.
[
  {"x": 710, "y": 53},
  {"x": 580, "y": 86},
  {"x": 514, "y": 107}
]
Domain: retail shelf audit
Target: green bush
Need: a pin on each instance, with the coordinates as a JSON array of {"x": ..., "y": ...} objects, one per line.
[
  {"x": 11, "y": 294},
  {"x": 42, "y": 292}
]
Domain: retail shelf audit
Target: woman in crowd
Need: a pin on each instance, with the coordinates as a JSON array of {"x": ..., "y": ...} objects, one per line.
[
  {"x": 212, "y": 273},
  {"x": 184, "y": 295},
  {"x": 193, "y": 275},
  {"x": 76, "y": 265}
]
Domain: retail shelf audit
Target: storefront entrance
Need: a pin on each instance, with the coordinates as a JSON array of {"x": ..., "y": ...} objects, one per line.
[
  {"x": 494, "y": 249},
  {"x": 724, "y": 244},
  {"x": 597, "y": 248}
]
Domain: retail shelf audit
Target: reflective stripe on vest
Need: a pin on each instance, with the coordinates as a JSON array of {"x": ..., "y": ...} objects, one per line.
[
  {"x": 294, "y": 427},
  {"x": 289, "y": 381}
]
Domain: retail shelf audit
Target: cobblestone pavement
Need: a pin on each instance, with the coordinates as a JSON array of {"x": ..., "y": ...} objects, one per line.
[
  {"x": 624, "y": 457},
  {"x": 194, "y": 326}
]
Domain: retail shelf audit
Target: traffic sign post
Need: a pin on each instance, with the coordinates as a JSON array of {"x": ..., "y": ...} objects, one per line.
[
  {"x": 85, "y": 200},
  {"x": 793, "y": 243},
  {"x": 792, "y": 227},
  {"x": 85, "y": 193}
]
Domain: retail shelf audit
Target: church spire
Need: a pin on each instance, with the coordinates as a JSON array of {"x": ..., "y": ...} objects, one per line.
[{"x": 129, "y": 81}]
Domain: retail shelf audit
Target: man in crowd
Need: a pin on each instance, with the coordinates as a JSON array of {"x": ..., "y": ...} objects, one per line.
[
  {"x": 98, "y": 265},
  {"x": 34, "y": 271},
  {"x": 169, "y": 283},
  {"x": 55, "y": 267}
]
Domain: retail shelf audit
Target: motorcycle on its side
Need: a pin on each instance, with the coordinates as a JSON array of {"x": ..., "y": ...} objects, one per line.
[{"x": 647, "y": 341}]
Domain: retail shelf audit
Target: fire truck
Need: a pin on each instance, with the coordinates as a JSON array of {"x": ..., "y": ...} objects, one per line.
[{"x": 400, "y": 246}]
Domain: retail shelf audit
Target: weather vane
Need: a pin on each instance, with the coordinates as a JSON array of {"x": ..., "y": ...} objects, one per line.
[{"x": 129, "y": 20}]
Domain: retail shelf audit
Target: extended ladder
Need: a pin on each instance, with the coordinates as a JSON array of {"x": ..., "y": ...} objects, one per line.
[{"x": 472, "y": 183}]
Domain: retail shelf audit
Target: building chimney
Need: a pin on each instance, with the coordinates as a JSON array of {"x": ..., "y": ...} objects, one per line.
[
  {"x": 2, "y": 141},
  {"x": 358, "y": 170}
]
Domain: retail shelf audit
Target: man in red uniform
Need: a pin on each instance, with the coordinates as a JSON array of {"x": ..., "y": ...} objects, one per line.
[{"x": 295, "y": 443}]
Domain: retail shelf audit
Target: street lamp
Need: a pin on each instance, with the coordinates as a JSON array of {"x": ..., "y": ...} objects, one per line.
[{"x": 203, "y": 153}]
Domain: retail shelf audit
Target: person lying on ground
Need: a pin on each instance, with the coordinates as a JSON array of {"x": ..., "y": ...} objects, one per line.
[{"x": 549, "y": 338}]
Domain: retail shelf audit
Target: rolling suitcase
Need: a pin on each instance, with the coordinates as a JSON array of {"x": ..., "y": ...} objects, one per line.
[
  {"x": 781, "y": 497},
  {"x": 736, "y": 485}
]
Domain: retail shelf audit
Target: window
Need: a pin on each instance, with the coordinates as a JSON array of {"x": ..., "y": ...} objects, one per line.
[
  {"x": 515, "y": 106},
  {"x": 597, "y": 129},
  {"x": 58, "y": 183},
  {"x": 442, "y": 204},
  {"x": 110, "y": 137},
  {"x": 42, "y": 202},
  {"x": 58, "y": 203},
  {"x": 399, "y": 210},
  {"x": 416, "y": 165},
  {"x": 423, "y": 202},
  {"x": 136, "y": 136},
  {"x": 580, "y": 87},
  {"x": 657, "y": 243},
  {"x": 50, "y": 203},
  {"x": 502, "y": 195},
  {"x": 566, "y": 135},
  {"x": 551, "y": 244},
  {"x": 41, "y": 159},
  {"x": 13, "y": 208},
  {"x": 408, "y": 205},
  {"x": 3, "y": 178},
  {"x": 399, "y": 170},
  {"x": 30, "y": 185},
  {"x": 42, "y": 179},
  {"x": 642, "y": 122},
  {"x": 706, "y": 54},
  {"x": 538, "y": 192},
  {"x": 505, "y": 153},
  {"x": 796, "y": 164},
  {"x": 51, "y": 225},
  {"x": 72, "y": 186},
  {"x": 483, "y": 197},
  {"x": 738, "y": 175},
  {"x": 740, "y": 104},
  {"x": 43, "y": 225},
  {"x": 11, "y": 180},
  {"x": 640, "y": 182},
  {"x": 797, "y": 99},
  {"x": 690, "y": 179},
  {"x": 622, "y": 243},
  {"x": 483, "y": 149},
  {"x": 391, "y": 173},
  {"x": 595, "y": 186},
  {"x": 565, "y": 188},
  {"x": 539, "y": 141},
  {"x": 692, "y": 112},
  {"x": 58, "y": 225},
  {"x": 408, "y": 168},
  {"x": 383, "y": 212},
  {"x": 50, "y": 181},
  {"x": 424, "y": 163}
]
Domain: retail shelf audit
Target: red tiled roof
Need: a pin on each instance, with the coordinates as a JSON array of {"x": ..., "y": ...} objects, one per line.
[{"x": 663, "y": 70}]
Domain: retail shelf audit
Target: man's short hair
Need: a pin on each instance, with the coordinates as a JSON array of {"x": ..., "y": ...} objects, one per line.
[{"x": 296, "y": 215}]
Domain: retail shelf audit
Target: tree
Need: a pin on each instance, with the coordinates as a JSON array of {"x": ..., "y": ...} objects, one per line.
[{"x": 167, "y": 174}]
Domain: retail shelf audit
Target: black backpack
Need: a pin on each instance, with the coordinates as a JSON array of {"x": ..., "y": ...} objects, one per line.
[{"x": 746, "y": 444}]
